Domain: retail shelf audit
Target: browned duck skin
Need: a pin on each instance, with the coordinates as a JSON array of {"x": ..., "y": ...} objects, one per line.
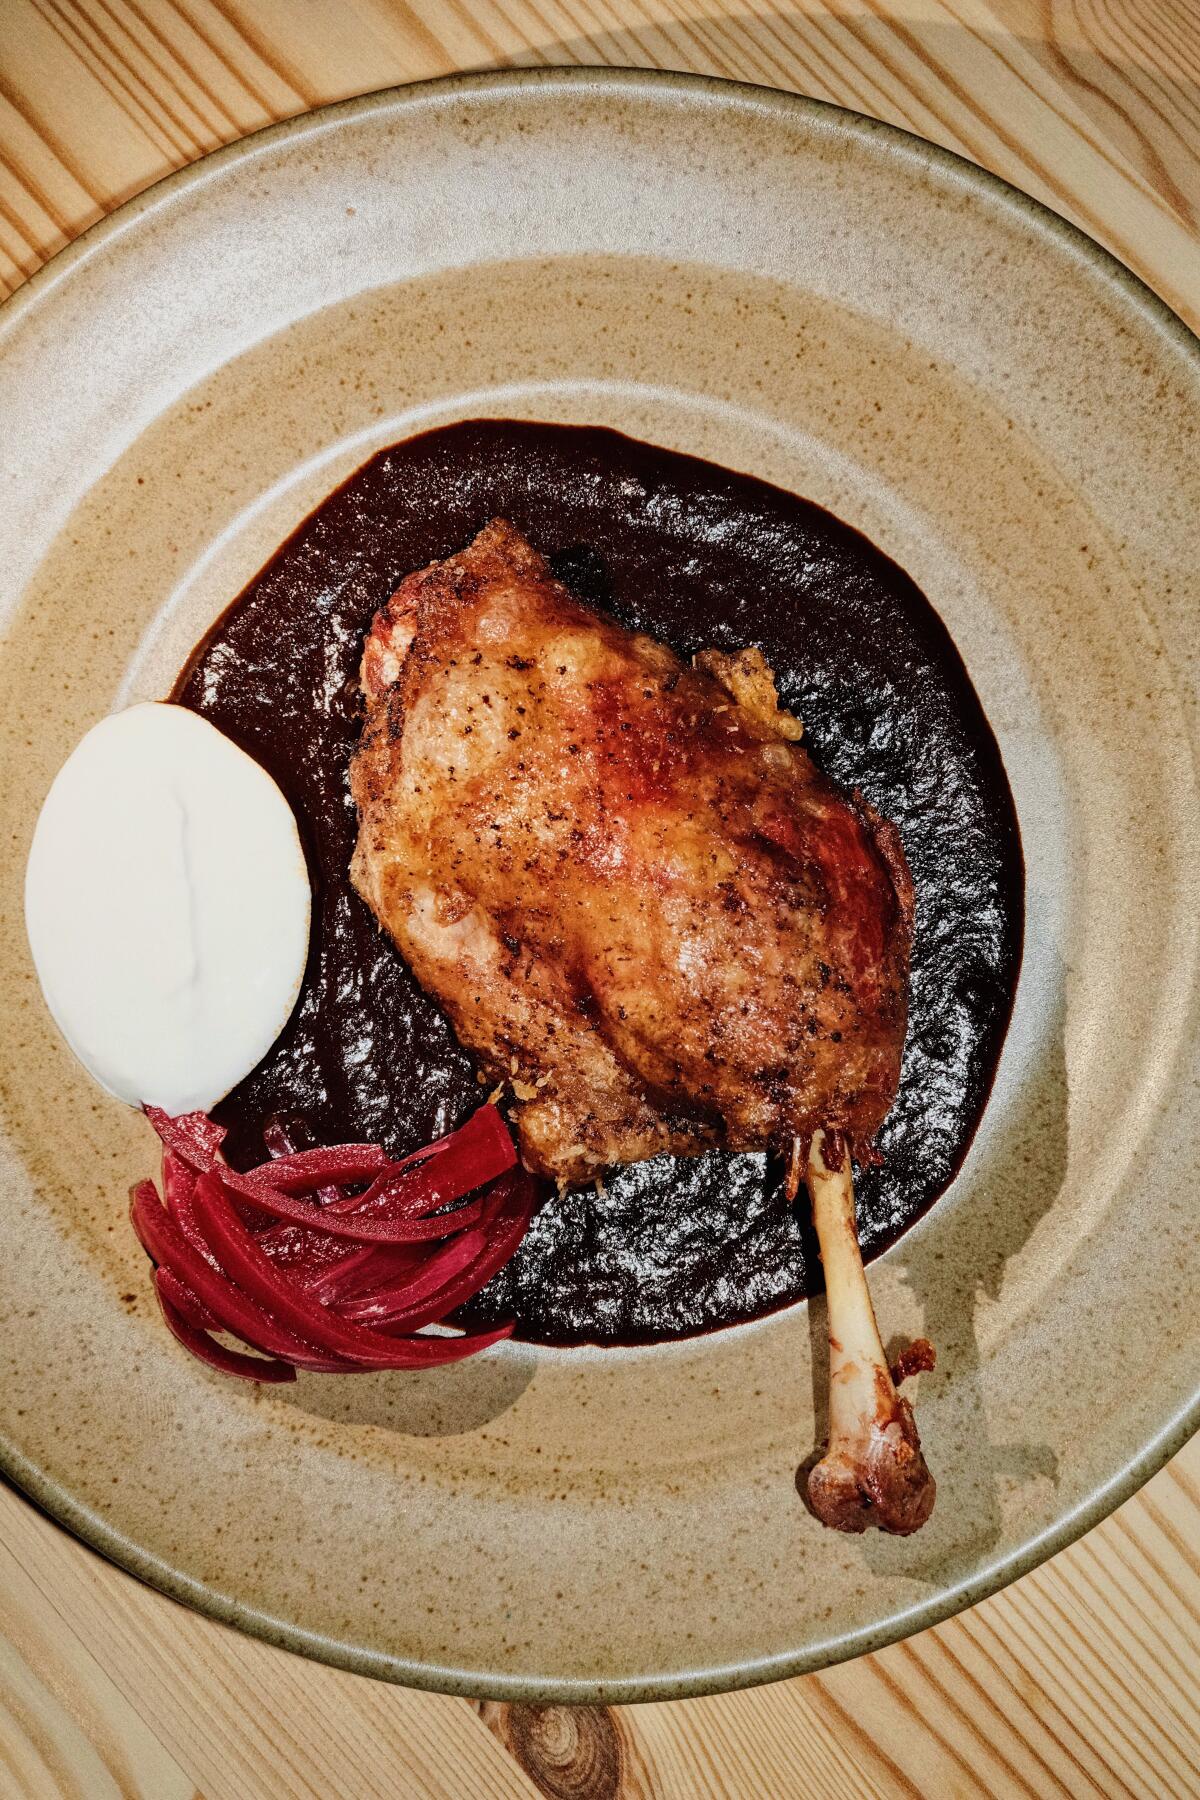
[{"x": 623, "y": 877}]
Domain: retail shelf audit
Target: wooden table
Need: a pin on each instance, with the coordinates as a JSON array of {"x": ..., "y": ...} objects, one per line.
[{"x": 1083, "y": 1678}]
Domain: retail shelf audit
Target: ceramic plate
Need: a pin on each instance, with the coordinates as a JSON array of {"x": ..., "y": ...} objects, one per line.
[{"x": 836, "y": 307}]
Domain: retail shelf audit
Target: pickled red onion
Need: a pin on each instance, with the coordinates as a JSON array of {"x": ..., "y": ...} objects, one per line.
[{"x": 329, "y": 1259}]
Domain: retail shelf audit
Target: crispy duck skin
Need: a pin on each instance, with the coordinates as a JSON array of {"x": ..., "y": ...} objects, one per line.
[{"x": 623, "y": 877}]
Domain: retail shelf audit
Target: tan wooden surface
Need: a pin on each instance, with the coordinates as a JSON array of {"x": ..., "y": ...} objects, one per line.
[{"x": 1084, "y": 1678}]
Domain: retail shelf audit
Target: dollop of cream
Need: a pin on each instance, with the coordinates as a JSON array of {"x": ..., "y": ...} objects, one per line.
[{"x": 168, "y": 906}]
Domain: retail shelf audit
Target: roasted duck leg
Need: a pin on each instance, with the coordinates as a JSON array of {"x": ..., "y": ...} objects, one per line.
[
  {"x": 623, "y": 877},
  {"x": 641, "y": 904}
]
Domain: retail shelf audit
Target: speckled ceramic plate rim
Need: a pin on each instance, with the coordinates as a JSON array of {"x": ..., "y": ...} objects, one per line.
[{"x": 55, "y": 1498}]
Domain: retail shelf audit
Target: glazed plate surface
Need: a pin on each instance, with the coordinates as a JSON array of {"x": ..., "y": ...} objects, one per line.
[{"x": 832, "y": 306}]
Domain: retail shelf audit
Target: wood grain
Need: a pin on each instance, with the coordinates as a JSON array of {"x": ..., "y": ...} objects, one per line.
[
  {"x": 1079, "y": 1680},
  {"x": 1082, "y": 1679},
  {"x": 1093, "y": 105}
]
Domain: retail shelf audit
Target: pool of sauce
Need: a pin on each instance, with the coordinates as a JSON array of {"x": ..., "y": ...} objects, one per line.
[{"x": 696, "y": 555}]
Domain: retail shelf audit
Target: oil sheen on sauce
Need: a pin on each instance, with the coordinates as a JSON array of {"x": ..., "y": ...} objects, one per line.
[{"x": 696, "y": 555}]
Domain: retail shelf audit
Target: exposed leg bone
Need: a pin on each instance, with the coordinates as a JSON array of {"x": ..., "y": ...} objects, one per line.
[{"x": 873, "y": 1472}]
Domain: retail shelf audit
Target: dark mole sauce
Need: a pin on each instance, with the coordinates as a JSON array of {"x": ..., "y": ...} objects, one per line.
[{"x": 695, "y": 555}]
